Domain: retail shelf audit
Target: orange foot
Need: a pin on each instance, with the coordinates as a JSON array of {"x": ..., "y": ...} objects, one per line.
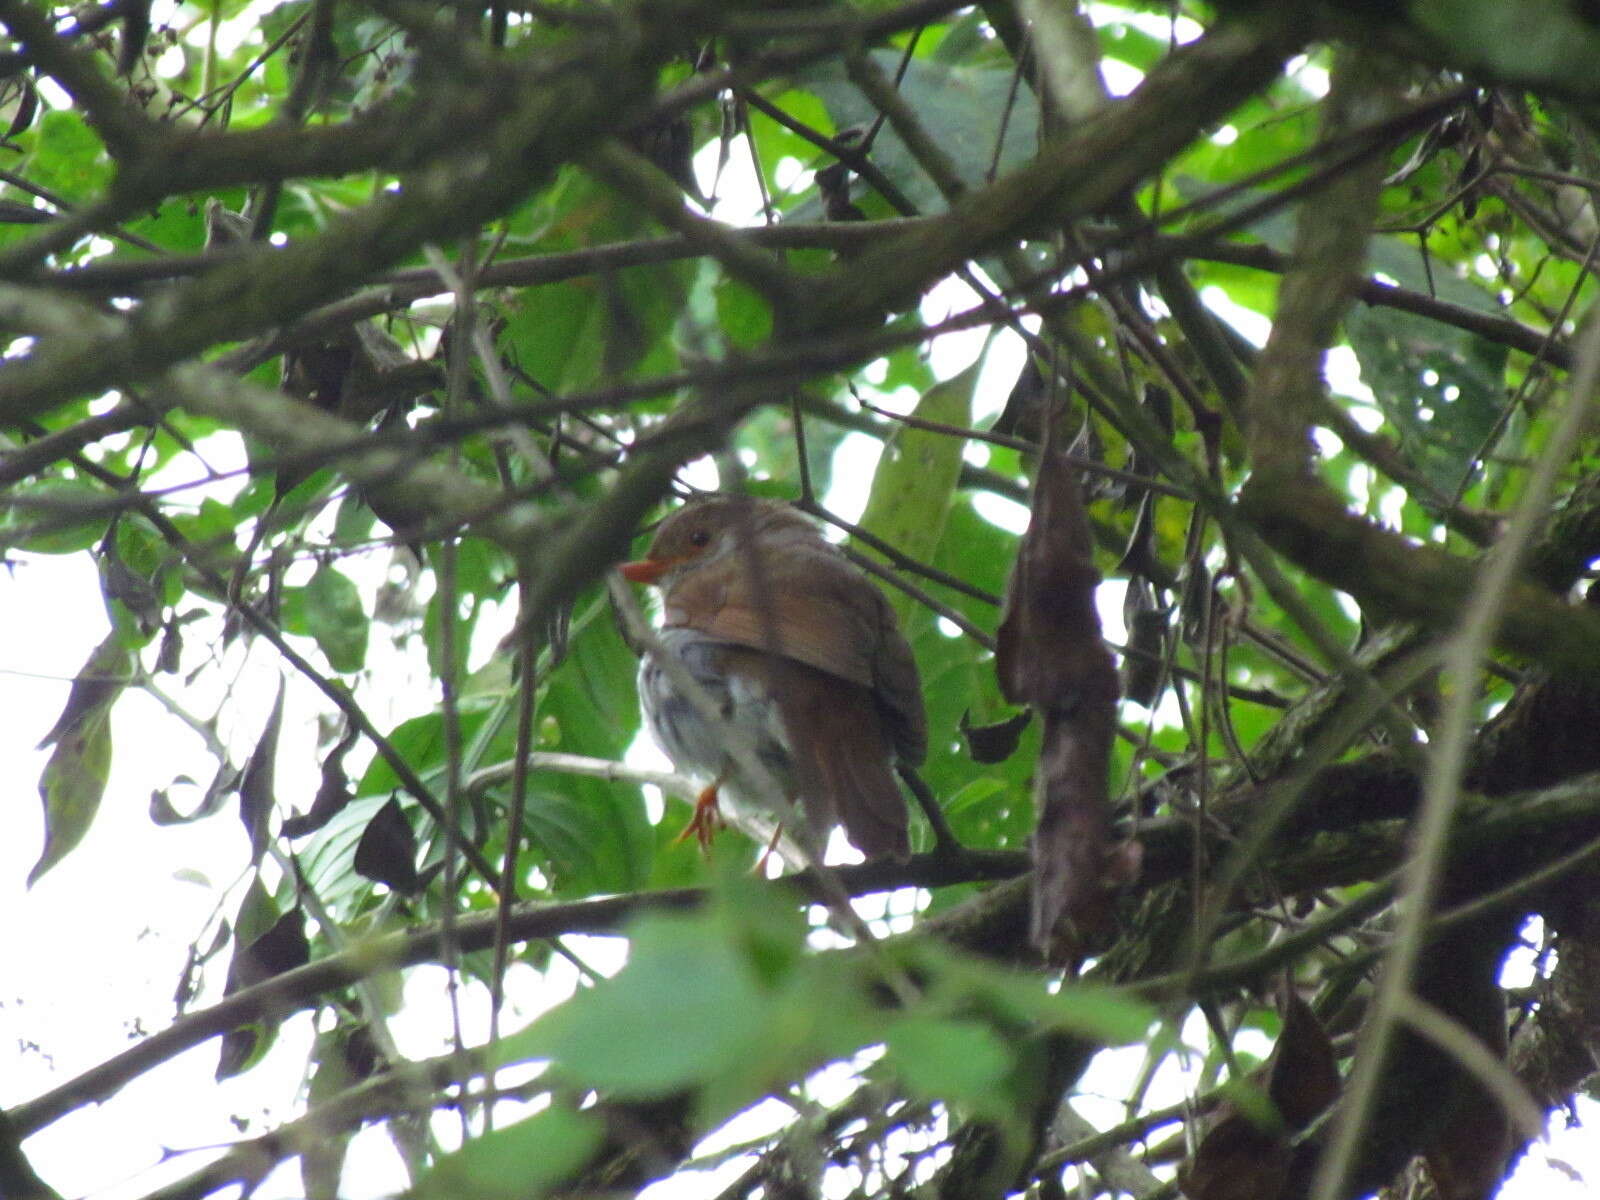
[
  {"x": 707, "y": 819},
  {"x": 761, "y": 863}
]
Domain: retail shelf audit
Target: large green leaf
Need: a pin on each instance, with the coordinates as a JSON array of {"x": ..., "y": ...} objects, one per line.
[
  {"x": 725, "y": 1002},
  {"x": 74, "y": 779},
  {"x": 337, "y": 619},
  {"x": 960, "y": 1061},
  {"x": 686, "y": 1009},
  {"x": 975, "y": 112},
  {"x": 68, "y": 158},
  {"x": 594, "y": 832},
  {"x": 517, "y": 1162},
  {"x": 916, "y": 477},
  {"x": 987, "y": 805},
  {"x": 570, "y": 334},
  {"x": 1441, "y": 388}
]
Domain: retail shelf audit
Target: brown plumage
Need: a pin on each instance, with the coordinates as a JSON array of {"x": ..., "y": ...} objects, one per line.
[{"x": 800, "y": 652}]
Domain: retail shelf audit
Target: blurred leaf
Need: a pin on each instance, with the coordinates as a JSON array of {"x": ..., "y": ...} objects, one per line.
[
  {"x": 94, "y": 689},
  {"x": 333, "y": 793},
  {"x": 74, "y": 779},
  {"x": 968, "y": 110},
  {"x": 322, "y": 1159},
  {"x": 959, "y": 1062},
  {"x": 958, "y": 682},
  {"x": 281, "y": 948},
  {"x": 685, "y": 1009},
  {"x": 723, "y": 1000},
  {"x": 336, "y": 619},
  {"x": 916, "y": 478},
  {"x": 421, "y": 743},
  {"x": 1433, "y": 276},
  {"x": 957, "y": 982},
  {"x": 517, "y": 1162},
  {"x": 387, "y": 851},
  {"x": 327, "y": 859},
  {"x": 223, "y": 784},
  {"x": 467, "y": 609},
  {"x": 1441, "y": 388},
  {"x": 257, "y": 785},
  {"x": 354, "y": 522},
  {"x": 743, "y": 316},
  {"x": 69, "y": 159},
  {"x": 71, "y": 786},
  {"x": 594, "y": 831},
  {"x": 1549, "y": 42},
  {"x": 997, "y": 742}
]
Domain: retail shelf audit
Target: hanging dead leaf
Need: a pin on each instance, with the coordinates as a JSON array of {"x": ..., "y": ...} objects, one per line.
[
  {"x": 1303, "y": 1078},
  {"x": 387, "y": 851},
  {"x": 997, "y": 742},
  {"x": 332, "y": 794},
  {"x": 1147, "y": 633},
  {"x": 1049, "y": 654},
  {"x": 256, "y": 787},
  {"x": 283, "y": 947}
]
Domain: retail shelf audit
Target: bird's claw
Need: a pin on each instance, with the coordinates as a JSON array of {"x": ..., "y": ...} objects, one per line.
[{"x": 706, "y": 821}]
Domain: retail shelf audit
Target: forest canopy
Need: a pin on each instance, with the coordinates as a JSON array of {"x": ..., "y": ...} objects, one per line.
[{"x": 1208, "y": 387}]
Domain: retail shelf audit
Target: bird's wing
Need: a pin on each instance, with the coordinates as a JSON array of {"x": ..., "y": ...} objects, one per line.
[
  {"x": 814, "y": 608},
  {"x": 804, "y": 605},
  {"x": 839, "y": 758}
]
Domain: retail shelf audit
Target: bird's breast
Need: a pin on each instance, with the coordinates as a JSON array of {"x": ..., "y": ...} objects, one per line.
[{"x": 736, "y": 706}]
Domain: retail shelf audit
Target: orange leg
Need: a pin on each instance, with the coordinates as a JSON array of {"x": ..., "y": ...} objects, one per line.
[
  {"x": 707, "y": 818},
  {"x": 761, "y": 863}
]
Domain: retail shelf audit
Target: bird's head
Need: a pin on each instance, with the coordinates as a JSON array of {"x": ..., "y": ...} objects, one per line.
[{"x": 711, "y": 531}]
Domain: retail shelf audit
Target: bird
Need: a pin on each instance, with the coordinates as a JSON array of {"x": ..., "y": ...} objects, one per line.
[{"x": 802, "y": 660}]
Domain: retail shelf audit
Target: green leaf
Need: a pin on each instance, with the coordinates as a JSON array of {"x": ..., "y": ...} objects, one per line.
[
  {"x": 724, "y": 1003},
  {"x": 685, "y": 1009},
  {"x": 594, "y": 832},
  {"x": 1440, "y": 388},
  {"x": 322, "y": 1160},
  {"x": 354, "y": 521},
  {"x": 281, "y": 947},
  {"x": 518, "y": 1162},
  {"x": 74, "y": 779},
  {"x": 959, "y": 983},
  {"x": 1403, "y": 262},
  {"x": 968, "y": 109},
  {"x": 68, "y": 158},
  {"x": 965, "y": 1062},
  {"x": 958, "y": 680},
  {"x": 743, "y": 316},
  {"x": 421, "y": 743},
  {"x": 335, "y": 617},
  {"x": 916, "y": 477},
  {"x": 214, "y": 521},
  {"x": 466, "y": 610},
  {"x": 327, "y": 858}
]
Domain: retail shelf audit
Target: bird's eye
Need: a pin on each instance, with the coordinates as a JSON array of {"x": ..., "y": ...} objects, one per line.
[{"x": 699, "y": 537}]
